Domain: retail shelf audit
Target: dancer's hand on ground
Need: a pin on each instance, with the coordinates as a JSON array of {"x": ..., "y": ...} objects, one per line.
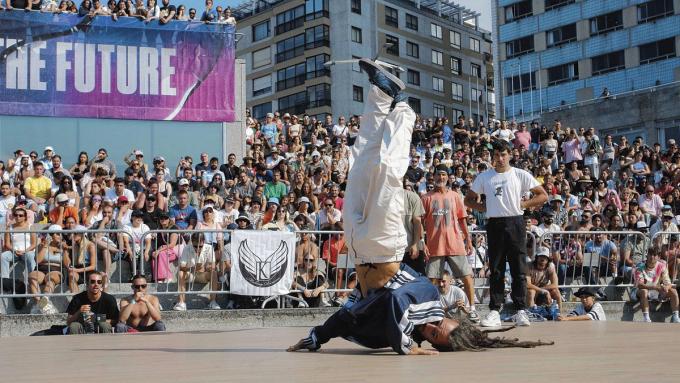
[
  {"x": 422, "y": 351},
  {"x": 297, "y": 346}
]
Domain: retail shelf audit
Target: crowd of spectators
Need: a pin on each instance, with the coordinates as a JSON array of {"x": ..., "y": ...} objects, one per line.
[
  {"x": 293, "y": 177},
  {"x": 151, "y": 10}
]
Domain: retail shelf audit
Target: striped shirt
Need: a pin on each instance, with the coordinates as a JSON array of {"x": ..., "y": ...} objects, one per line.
[{"x": 595, "y": 313}]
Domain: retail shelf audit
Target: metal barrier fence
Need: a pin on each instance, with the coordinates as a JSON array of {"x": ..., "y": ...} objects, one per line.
[{"x": 589, "y": 258}]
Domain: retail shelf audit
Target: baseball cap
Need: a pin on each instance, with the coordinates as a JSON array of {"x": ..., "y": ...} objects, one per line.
[
  {"x": 21, "y": 199},
  {"x": 163, "y": 215},
  {"x": 54, "y": 229},
  {"x": 243, "y": 217},
  {"x": 61, "y": 197},
  {"x": 158, "y": 158},
  {"x": 48, "y": 148},
  {"x": 667, "y": 213},
  {"x": 137, "y": 214},
  {"x": 441, "y": 168},
  {"x": 123, "y": 199},
  {"x": 183, "y": 182},
  {"x": 642, "y": 224},
  {"x": 303, "y": 199},
  {"x": 316, "y": 153},
  {"x": 586, "y": 292},
  {"x": 138, "y": 153},
  {"x": 270, "y": 115},
  {"x": 543, "y": 251}
]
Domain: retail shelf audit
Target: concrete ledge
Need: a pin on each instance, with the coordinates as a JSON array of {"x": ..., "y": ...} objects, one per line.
[{"x": 199, "y": 320}]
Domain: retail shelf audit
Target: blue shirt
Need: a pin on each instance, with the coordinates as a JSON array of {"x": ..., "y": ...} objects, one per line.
[
  {"x": 184, "y": 216},
  {"x": 269, "y": 132}
]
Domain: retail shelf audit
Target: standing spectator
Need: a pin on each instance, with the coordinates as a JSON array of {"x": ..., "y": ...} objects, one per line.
[
  {"x": 92, "y": 301},
  {"x": 209, "y": 15},
  {"x": 141, "y": 311},
  {"x": 448, "y": 240},
  {"x": 228, "y": 17},
  {"x": 167, "y": 12},
  {"x": 588, "y": 309},
  {"x": 505, "y": 189},
  {"x": 192, "y": 14},
  {"x": 181, "y": 14},
  {"x": 653, "y": 282}
]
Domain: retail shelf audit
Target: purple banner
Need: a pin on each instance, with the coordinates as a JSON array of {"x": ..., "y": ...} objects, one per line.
[{"x": 63, "y": 65}]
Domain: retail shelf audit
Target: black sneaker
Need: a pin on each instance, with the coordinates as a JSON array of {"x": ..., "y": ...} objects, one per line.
[{"x": 380, "y": 77}]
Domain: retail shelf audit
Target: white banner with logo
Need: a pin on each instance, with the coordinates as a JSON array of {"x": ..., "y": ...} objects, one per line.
[{"x": 262, "y": 262}]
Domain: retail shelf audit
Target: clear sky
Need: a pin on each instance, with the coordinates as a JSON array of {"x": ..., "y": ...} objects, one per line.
[{"x": 481, "y": 6}]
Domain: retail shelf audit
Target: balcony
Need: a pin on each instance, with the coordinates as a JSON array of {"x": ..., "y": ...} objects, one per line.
[{"x": 290, "y": 25}]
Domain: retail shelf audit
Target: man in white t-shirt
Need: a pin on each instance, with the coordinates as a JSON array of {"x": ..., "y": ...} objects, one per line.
[
  {"x": 7, "y": 201},
  {"x": 453, "y": 298},
  {"x": 506, "y": 190}
]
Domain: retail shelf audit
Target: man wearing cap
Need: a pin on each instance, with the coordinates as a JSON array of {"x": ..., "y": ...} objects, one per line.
[
  {"x": 665, "y": 224},
  {"x": 274, "y": 159},
  {"x": 542, "y": 280},
  {"x": 185, "y": 184},
  {"x": 557, "y": 208},
  {"x": 448, "y": 240},
  {"x": 316, "y": 163},
  {"x": 151, "y": 212},
  {"x": 506, "y": 191},
  {"x": 62, "y": 210},
  {"x": 48, "y": 152},
  {"x": 653, "y": 282},
  {"x": 103, "y": 161},
  {"x": 160, "y": 165},
  {"x": 588, "y": 309}
]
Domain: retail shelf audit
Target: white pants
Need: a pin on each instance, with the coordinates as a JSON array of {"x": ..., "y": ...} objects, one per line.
[{"x": 373, "y": 207}]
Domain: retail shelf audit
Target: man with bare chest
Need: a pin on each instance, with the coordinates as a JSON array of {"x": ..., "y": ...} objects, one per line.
[{"x": 139, "y": 312}]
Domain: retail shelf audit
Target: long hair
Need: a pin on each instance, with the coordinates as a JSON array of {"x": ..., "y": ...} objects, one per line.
[{"x": 468, "y": 337}]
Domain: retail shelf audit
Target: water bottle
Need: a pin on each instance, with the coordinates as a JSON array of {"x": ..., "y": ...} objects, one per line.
[{"x": 554, "y": 310}]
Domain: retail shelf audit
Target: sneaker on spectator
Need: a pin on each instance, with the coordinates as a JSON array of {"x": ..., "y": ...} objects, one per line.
[
  {"x": 380, "y": 77},
  {"x": 180, "y": 306},
  {"x": 214, "y": 306},
  {"x": 49, "y": 308},
  {"x": 675, "y": 319},
  {"x": 473, "y": 316},
  {"x": 646, "y": 320},
  {"x": 230, "y": 305},
  {"x": 521, "y": 318},
  {"x": 492, "y": 319}
]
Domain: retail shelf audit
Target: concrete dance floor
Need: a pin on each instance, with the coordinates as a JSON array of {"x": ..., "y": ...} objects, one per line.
[{"x": 594, "y": 352}]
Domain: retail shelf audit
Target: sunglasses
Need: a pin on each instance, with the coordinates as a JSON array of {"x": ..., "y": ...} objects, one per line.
[
  {"x": 329, "y": 204},
  {"x": 139, "y": 287},
  {"x": 309, "y": 260},
  {"x": 20, "y": 215},
  {"x": 96, "y": 281}
]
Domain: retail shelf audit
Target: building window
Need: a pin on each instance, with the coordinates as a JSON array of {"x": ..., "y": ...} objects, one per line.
[
  {"x": 456, "y": 91},
  {"x": 521, "y": 83},
  {"x": 474, "y": 45},
  {"x": 608, "y": 62},
  {"x": 262, "y": 57},
  {"x": 437, "y": 57},
  {"x": 437, "y": 84},
  {"x": 357, "y": 93},
  {"x": 414, "y": 103},
  {"x": 394, "y": 49},
  {"x": 356, "y": 6},
  {"x": 260, "y": 111},
  {"x": 413, "y": 77},
  {"x": 412, "y": 49},
  {"x": 356, "y": 35},
  {"x": 315, "y": 9},
  {"x": 476, "y": 95},
  {"x": 318, "y": 95},
  {"x": 318, "y": 36},
  {"x": 655, "y": 9},
  {"x": 290, "y": 19},
  {"x": 296, "y": 103},
  {"x": 606, "y": 23},
  {"x": 262, "y": 85},
  {"x": 355, "y": 65},
  {"x": 315, "y": 68},
  {"x": 391, "y": 17},
  {"x": 438, "y": 110},
  {"x": 518, "y": 11},
  {"x": 658, "y": 50},
  {"x": 457, "y": 113},
  {"x": 455, "y": 65},
  {"x": 552, "y": 4},
  {"x": 436, "y": 31},
  {"x": 412, "y": 22},
  {"x": 290, "y": 47},
  {"x": 563, "y": 73},
  {"x": 290, "y": 77},
  {"x": 455, "y": 39},
  {"x": 475, "y": 70},
  {"x": 261, "y": 31},
  {"x": 561, "y": 35},
  {"x": 519, "y": 47}
]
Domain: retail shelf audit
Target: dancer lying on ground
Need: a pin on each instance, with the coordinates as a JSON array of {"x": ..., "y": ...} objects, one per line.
[{"x": 392, "y": 306}]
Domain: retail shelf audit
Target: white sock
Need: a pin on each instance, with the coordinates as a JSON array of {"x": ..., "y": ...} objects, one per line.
[
  {"x": 472, "y": 308},
  {"x": 645, "y": 314},
  {"x": 675, "y": 314}
]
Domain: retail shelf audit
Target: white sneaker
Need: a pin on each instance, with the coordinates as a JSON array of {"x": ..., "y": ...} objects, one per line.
[
  {"x": 492, "y": 319},
  {"x": 647, "y": 320},
  {"x": 675, "y": 319},
  {"x": 521, "y": 318},
  {"x": 214, "y": 306},
  {"x": 49, "y": 308},
  {"x": 180, "y": 306}
]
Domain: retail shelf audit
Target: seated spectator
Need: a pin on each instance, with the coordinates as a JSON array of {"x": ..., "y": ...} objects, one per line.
[
  {"x": 18, "y": 246},
  {"x": 197, "y": 264},
  {"x": 166, "y": 250},
  {"x": 92, "y": 311},
  {"x": 92, "y": 212},
  {"x": 453, "y": 298},
  {"x": 50, "y": 259},
  {"x": 542, "y": 280},
  {"x": 183, "y": 215},
  {"x": 62, "y": 210},
  {"x": 140, "y": 312},
  {"x": 81, "y": 259},
  {"x": 118, "y": 190},
  {"x": 653, "y": 283},
  {"x": 310, "y": 281},
  {"x": 588, "y": 309},
  {"x": 329, "y": 216},
  {"x": 132, "y": 242},
  {"x": 38, "y": 188},
  {"x": 107, "y": 241}
]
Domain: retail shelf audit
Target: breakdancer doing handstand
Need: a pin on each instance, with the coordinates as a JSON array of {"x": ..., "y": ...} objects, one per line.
[{"x": 393, "y": 305}]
